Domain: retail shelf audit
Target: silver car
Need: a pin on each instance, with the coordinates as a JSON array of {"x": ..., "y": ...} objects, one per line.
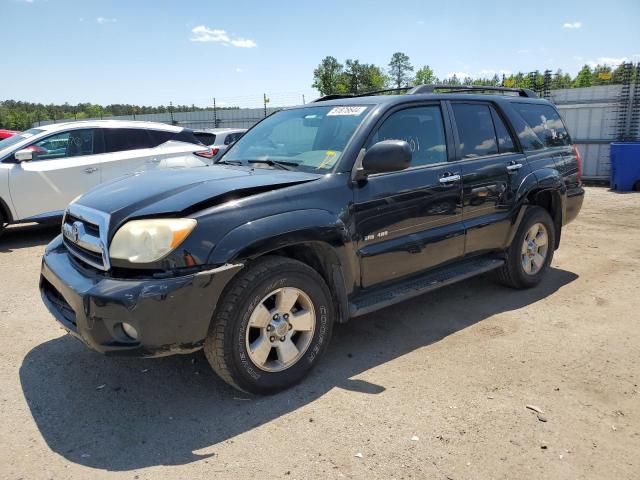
[{"x": 219, "y": 139}]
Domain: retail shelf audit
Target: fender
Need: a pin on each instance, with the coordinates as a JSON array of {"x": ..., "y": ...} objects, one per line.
[
  {"x": 544, "y": 179},
  {"x": 310, "y": 226}
]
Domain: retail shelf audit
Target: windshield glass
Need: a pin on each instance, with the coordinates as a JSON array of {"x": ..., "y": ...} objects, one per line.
[
  {"x": 8, "y": 142},
  {"x": 309, "y": 139}
]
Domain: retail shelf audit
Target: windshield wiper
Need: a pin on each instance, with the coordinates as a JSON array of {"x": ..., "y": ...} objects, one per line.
[
  {"x": 230, "y": 162},
  {"x": 284, "y": 165}
]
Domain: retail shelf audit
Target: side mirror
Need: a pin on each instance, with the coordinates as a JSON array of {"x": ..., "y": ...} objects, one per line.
[
  {"x": 385, "y": 156},
  {"x": 23, "y": 155}
]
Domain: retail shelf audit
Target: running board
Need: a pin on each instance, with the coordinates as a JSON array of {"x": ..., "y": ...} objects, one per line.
[{"x": 380, "y": 297}]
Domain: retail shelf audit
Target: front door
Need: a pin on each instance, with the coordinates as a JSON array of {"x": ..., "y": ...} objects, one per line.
[
  {"x": 64, "y": 166},
  {"x": 492, "y": 169},
  {"x": 411, "y": 220}
]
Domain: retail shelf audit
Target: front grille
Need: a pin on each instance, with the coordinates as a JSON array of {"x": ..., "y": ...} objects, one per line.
[
  {"x": 84, "y": 235},
  {"x": 91, "y": 228},
  {"x": 58, "y": 301}
]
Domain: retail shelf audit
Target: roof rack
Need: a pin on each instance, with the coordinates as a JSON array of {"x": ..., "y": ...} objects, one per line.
[
  {"x": 364, "y": 94},
  {"x": 522, "y": 92},
  {"x": 422, "y": 89}
]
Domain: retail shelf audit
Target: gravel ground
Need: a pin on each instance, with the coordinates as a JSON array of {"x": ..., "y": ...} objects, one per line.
[{"x": 433, "y": 388}]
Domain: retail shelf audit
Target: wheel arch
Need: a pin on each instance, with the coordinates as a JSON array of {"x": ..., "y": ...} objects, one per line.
[
  {"x": 543, "y": 188},
  {"x": 313, "y": 237},
  {"x": 5, "y": 211}
]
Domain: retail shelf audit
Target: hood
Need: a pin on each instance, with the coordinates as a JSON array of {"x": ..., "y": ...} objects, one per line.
[{"x": 184, "y": 191}]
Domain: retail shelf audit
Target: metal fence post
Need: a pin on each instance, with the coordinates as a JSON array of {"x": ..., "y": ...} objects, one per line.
[
  {"x": 265, "y": 103},
  {"x": 215, "y": 114},
  {"x": 171, "y": 112}
]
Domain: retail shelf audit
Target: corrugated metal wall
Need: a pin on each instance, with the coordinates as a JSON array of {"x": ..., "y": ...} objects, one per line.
[{"x": 591, "y": 117}]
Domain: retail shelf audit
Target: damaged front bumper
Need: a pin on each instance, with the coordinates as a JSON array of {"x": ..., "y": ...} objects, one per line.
[{"x": 170, "y": 315}]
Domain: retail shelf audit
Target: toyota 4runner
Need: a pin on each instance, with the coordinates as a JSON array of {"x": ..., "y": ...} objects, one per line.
[{"x": 318, "y": 214}]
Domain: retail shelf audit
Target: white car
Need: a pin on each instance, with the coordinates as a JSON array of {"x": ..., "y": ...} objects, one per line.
[
  {"x": 43, "y": 169},
  {"x": 219, "y": 139}
]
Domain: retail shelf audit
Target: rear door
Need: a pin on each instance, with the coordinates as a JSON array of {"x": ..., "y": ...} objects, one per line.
[
  {"x": 65, "y": 165},
  {"x": 128, "y": 150},
  {"x": 492, "y": 169},
  {"x": 411, "y": 220}
]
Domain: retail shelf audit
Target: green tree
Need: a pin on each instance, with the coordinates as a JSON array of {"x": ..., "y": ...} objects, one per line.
[
  {"x": 584, "y": 78},
  {"x": 326, "y": 78},
  {"x": 399, "y": 69},
  {"x": 425, "y": 76}
]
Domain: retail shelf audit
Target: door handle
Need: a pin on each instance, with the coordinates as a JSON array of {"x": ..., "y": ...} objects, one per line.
[
  {"x": 449, "y": 178},
  {"x": 90, "y": 170},
  {"x": 512, "y": 167}
]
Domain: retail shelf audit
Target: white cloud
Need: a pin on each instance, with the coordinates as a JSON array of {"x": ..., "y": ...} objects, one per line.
[
  {"x": 577, "y": 57},
  {"x": 239, "y": 70},
  {"x": 636, "y": 55},
  {"x": 572, "y": 25},
  {"x": 523, "y": 51},
  {"x": 611, "y": 61},
  {"x": 420, "y": 22},
  {"x": 104, "y": 20},
  {"x": 205, "y": 34}
]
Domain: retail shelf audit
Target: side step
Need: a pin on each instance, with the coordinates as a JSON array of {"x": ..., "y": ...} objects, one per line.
[{"x": 390, "y": 294}]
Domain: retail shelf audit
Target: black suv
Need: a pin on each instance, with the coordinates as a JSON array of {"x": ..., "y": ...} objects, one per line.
[{"x": 317, "y": 214}]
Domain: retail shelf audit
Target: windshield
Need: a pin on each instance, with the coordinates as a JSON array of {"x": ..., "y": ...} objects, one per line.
[
  {"x": 8, "y": 142},
  {"x": 310, "y": 139}
]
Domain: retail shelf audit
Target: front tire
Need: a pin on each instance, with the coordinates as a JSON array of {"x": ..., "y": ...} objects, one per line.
[
  {"x": 271, "y": 326},
  {"x": 530, "y": 252}
]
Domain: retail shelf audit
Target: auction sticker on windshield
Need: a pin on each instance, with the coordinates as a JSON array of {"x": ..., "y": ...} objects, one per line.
[{"x": 355, "y": 111}]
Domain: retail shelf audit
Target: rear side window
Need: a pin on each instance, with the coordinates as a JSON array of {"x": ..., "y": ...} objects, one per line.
[
  {"x": 122, "y": 139},
  {"x": 187, "y": 136},
  {"x": 476, "y": 132},
  {"x": 158, "y": 137},
  {"x": 545, "y": 123},
  {"x": 422, "y": 128}
]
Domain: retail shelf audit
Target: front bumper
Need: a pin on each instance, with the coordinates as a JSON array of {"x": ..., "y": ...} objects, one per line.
[{"x": 170, "y": 315}]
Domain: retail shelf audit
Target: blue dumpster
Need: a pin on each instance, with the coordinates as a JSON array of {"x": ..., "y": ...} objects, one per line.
[{"x": 625, "y": 166}]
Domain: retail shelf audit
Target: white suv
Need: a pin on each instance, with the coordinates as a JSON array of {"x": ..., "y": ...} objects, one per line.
[{"x": 43, "y": 169}]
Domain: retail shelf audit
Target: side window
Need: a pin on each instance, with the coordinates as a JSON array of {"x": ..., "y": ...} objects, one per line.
[
  {"x": 158, "y": 137},
  {"x": 122, "y": 139},
  {"x": 230, "y": 138},
  {"x": 476, "y": 132},
  {"x": 545, "y": 123},
  {"x": 74, "y": 143},
  {"x": 422, "y": 128},
  {"x": 505, "y": 141}
]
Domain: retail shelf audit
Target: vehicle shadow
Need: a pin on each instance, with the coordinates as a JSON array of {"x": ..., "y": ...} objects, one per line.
[
  {"x": 120, "y": 414},
  {"x": 17, "y": 237}
]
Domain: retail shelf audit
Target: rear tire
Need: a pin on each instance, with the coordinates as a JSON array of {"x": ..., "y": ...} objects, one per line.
[
  {"x": 271, "y": 326},
  {"x": 530, "y": 252}
]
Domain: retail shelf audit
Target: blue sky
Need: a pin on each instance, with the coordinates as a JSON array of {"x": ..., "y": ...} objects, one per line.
[{"x": 188, "y": 51}]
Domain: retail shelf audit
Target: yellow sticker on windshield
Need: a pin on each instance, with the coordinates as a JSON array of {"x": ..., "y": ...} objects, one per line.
[{"x": 328, "y": 159}]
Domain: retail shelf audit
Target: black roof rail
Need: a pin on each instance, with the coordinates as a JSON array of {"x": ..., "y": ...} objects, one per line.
[
  {"x": 333, "y": 96},
  {"x": 336, "y": 96},
  {"x": 522, "y": 92}
]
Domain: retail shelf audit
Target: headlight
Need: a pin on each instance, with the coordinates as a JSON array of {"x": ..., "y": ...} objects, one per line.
[{"x": 144, "y": 241}]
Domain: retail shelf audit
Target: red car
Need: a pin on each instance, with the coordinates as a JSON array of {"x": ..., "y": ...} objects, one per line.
[{"x": 7, "y": 133}]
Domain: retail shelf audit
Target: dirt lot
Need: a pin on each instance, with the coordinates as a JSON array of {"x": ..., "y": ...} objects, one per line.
[{"x": 433, "y": 388}]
